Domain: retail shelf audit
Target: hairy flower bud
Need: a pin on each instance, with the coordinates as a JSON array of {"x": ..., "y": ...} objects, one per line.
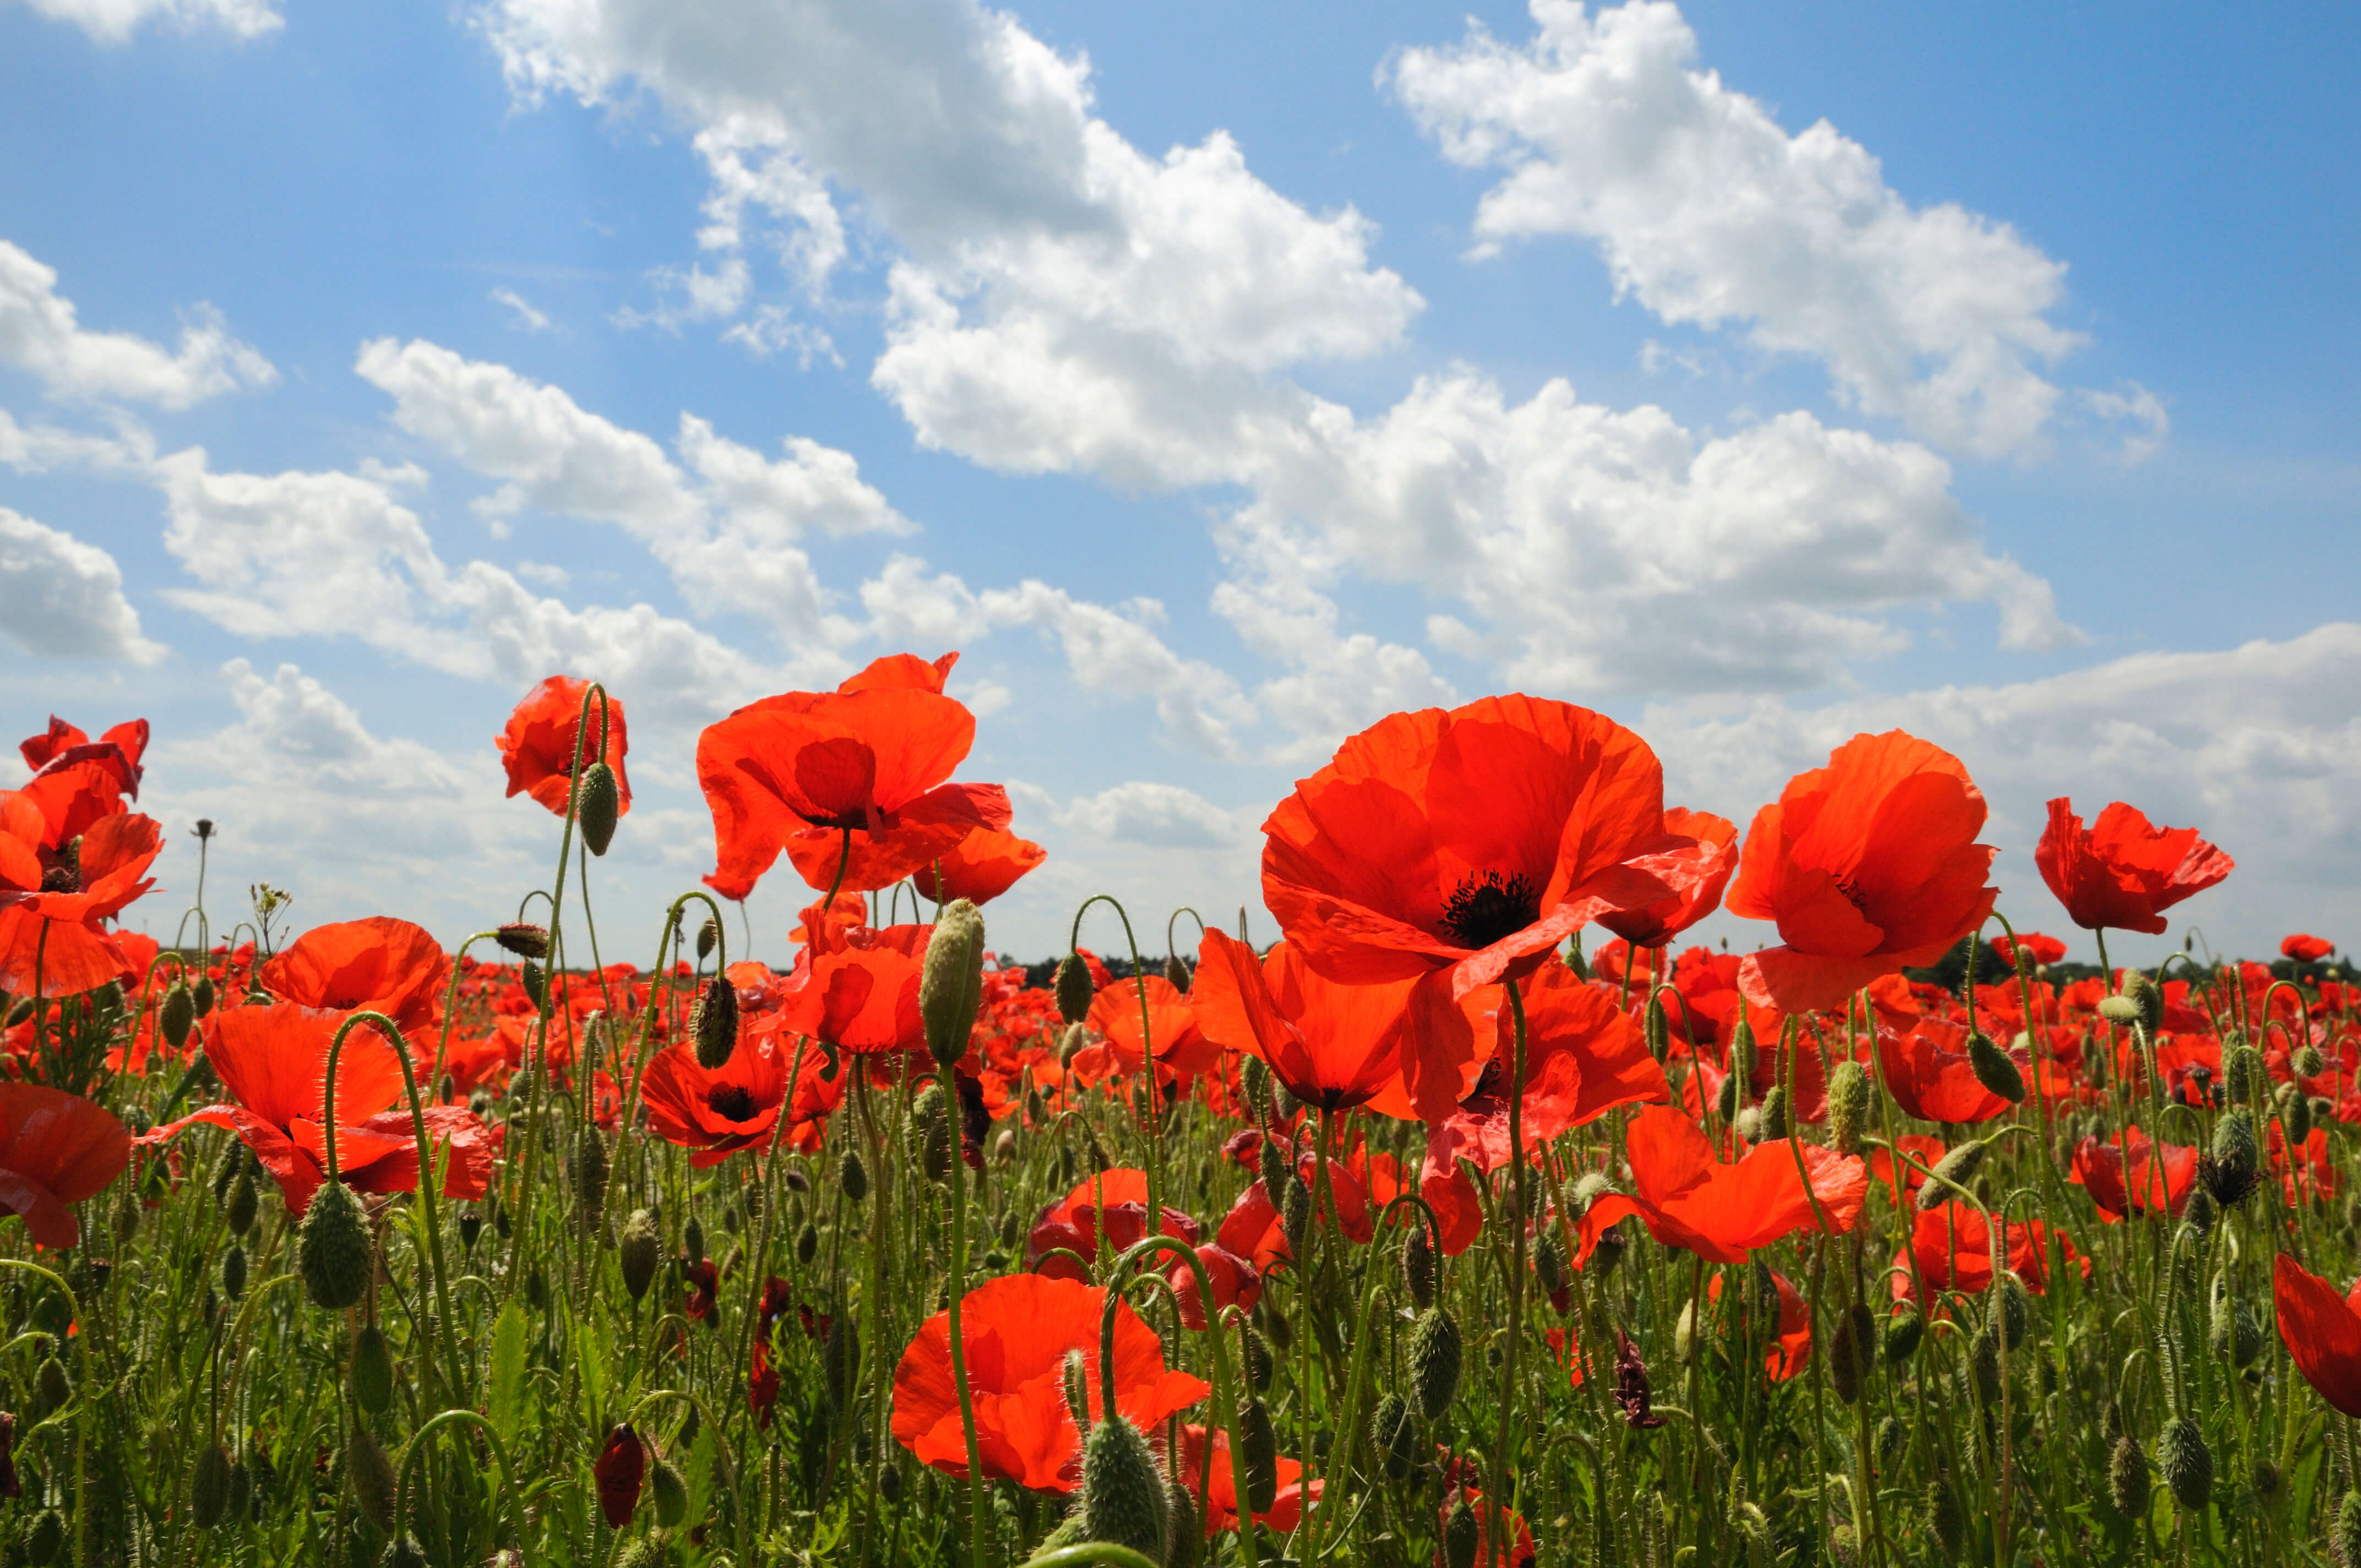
[
  {"x": 951, "y": 986},
  {"x": 1074, "y": 989},
  {"x": 713, "y": 1021},
  {"x": 1393, "y": 1435},
  {"x": 669, "y": 1493},
  {"x": 2295, "y": 1112},
  {"x": 2344, "y": 1533},
  {"x": 233, "y": 1272},
  {"x": 245, "y": 1197},
  {"x": 708, "y": 936},
  {"x": 524, "y": 939},
  {"x": 1953, "y": 1171},
  {"x": 1994, "y": 1067},
  {"x": 852, "y": 1177},
  {"x": 372, "y": 1370},
  {"x": 2128, "y": 1480},
  {"x": 2232, "y": 1167},
  {"x": 1944, "y": 1521},
  {"x": 1422, "y": 1272},
  {"x": 1849, "y": 1106},
  {"x": 1434, "y": 1361},
  {"x": 638, "y": 1251},
  {"x": 2186, "y": 1463},
  {"x": 598, "y": 805},
  {"x": 177, "y": 1015},
  {"x": 209, "y": 1487},
  {"x": 1902, "y": 1332},
  {"x": 1124, "y": 1500},
  {"x": 372, "y": 1477},
  {"x": 334, "y": 1251},
  {"x": 2309, "y": 1063},
  {"x": 1462, "y": 1536},
  {"x": 586, "y": 1164},
  {"x": 930, "y": 1128},
  {"x": 1261, "y": 1364},
  {"x": 1258, "y": 1446},
  {"x": 1742, "y": 1050},
  {"x": 2147, "y": 999},
  {"x": 840, "y": 1363}
]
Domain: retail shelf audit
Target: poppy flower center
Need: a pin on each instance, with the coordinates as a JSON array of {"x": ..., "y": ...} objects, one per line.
[
  {"x": 63, "y": 872},
  {"x": 1484, "y": 908},
  {"x": 731, "y": 1102}
]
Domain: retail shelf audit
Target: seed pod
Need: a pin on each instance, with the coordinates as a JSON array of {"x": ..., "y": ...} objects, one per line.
[
  {"x": 951, "y": 985},
  {"x": 1959, "y": 1167},
  {"x": 586, "y": 1165},
  {"x": 334, "y": 1251},
  {"x": 1259, "y": 1446},
  {"x": 1124, "y": 1491},
  {"x": 2129, "y": 1482},
  {"x": 233, "y": 1272},
  {"x": 177, "y": 1014},
  {"x": 1073, "y": 988},
  {"x": 639, "y": 1250},
  {"x": 2186, "y": 1463},
  {"x": 1393, "y": 1436},
  {"x": 852, "y": 1177},
  {"x": 714, "y": 1023},
  {"x": 372, "y": 1370},
  {"x": 669, "y": 1494},
  {"x": 931, "y": 1126},
  {"x": 1462, "y": 1537},
  {"x": 1434, "y": 1361},
  {"x": 840, "y": 1362},
  {"x": 1996, "y": 1069},
  {"x": 1849, "y": 1104},
  {"x": 2344, "y": 1532},
  {"x": 1943, "y": 1519},
  {"x": 202, "y": 994},
  {"x": 372, "y": 1477},
  {"x": 209, "y": 1487},
  {"x": 1903, "y": 1333}
]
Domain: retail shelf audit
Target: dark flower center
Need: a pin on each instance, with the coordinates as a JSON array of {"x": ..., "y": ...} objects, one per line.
[
  {"x": 1483, "y": 909},
  {"x": 731, "y": 1102}
]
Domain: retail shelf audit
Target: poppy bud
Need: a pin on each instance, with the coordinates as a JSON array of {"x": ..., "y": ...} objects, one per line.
[
  {"x": 1845, "y": 1360},
  {"x": 1277, "y": 1168},
  {"x": 2309, "y": 1063},
  {"x": 209, "y": 1487},
  {"x": 1295, "y": 1213},
  {"x": 2186, "y": 1462},
  {"x": 201, "y": 993},
  {"x": 1656, "y": 1028},
  {"x": 2146, "y": 1000},
  {"x": 177, "y": 1015},
  {"x": 2231, "y": 1170},
  {"x": 1176, "y": 972},
  {"x": 1742, "y": 1048},
  {"x": 1004, "y": 1147},
  {"x": 889, "y": 1481},
  {"x": 1995, "y": 1069},
  {"x": 806, "y": 1242},
  {"x": 244, "y": 1197},
  {"x": 1283, "y": 1100},
  {"x": 1943, "y": 1521},
  {"x": 669, "y": 1493},
  {"x": 1434, "y": 1359},
  {"x": 2234, "y": 1330},
  {"x": 930, "y": 1128},
  {"x": 714, "y": 1021},
  {"x": 639, "y": 1250},
  {"x": 2198, "y": 1214},
  {"x": 597, "y": 804},
  {"x": 1984, "y": 1364},
  {"x": 524, "y": 939},
  {"x": 1393, "y": 1436},
  {"x": 1122, "y": 1491},
  {"x": 1902, "y": 1332},
  {"x": 372, "y": 1476},
  {"x": 852, "y": 1177},
  {"x": 1275, "y": 1324},
  {"x": 471, "y": 1225},
  {"x": 1254, "y": 1077},
  {"x": 1073, "y": 988},
  {"x": 535, "y": 980},
  {"x": 1849, "y": 1102},
  {"x": 2129, "y": 1482},
  {"x": 1725, "y": 1104},
  {"x": 2344, "y": 1532},
  {"x": 1462, "y": 1537},
  {"x": 586, "y": 1165},
  {"x": 1260, "y": 1366},
  {"x": 1959, "y": 1167},
  {"x": 372, "y": 1371},
  {"x": 951, "y": 986},
  {"x": 707, "y": 936},
  {"x": 1773, "y": 1122},
  {"x": 840, "y": 1362},
  {"x": 620, "y": 1465},
  {"x": 2295, "y": 1111},
  {"x": 233, "y": 1272},
  {"x": 1549, "y": 1263},
  {"x": 334, "y": 1251},
  {"x": 1259, "y": 1446},
  {"x": 1188, "y": 1536}
]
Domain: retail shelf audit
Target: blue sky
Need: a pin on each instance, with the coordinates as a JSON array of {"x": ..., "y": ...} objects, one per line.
[{"x": 1216, "y": 378}]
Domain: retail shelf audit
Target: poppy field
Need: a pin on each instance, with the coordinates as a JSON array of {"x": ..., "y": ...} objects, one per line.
[{"x": 1484, "y": 1217}]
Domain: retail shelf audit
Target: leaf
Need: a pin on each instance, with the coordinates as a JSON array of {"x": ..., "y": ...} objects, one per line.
[{"x": 509, "y": 1335}]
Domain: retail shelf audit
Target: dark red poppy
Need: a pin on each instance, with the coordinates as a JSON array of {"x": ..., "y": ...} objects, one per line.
[
  {"x": 1453, "y": 848},
  {"x": 702, "y": 1285},
  {"x": 763, "y": 1375},
  {"x": 1016, "y": 1331},
  {"x": 63, "y": 746},
  {"x": 621, "y": 1466},
  {"x": 377, "y": 965},
  {"x": 65, "y": 867},
  {"x": 1869, "y": 865},
  {"x": 274, "y": 1060},
  {"x": 1234, "y": 1279},
  {"x": 716, "y": 1111},
  {"x": 980, "y": 867},
  {"x": 1654, "y": 925},
  {"x": 1334, "y": 1046},
  {"x": 2321, "y": 1331},
  {"x": 2305, "y": 949},
  {"x": 1687, "y": 1198},
  {"x": 1791, "y": 1348},
  {"x": 2042, "y": 949},
  {"x": 1219, "y": 1487},
  {"x": 2123, "y": 871},
  {"x": 537, "y": 748},
  {"x": 56, "y": 1149},
  {"x": 1929, "y": 1074},
  {"x": 2101, "y": 1164},
  {"x": 1115, "y": 1200}
]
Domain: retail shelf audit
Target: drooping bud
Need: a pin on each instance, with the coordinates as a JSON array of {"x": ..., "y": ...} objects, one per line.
[
  {"x": 1254, "y": 1077},
  {"x": 2186, "y": 1463},
  {"x": 1845, "y": 1362},
  {"x": 1295, "y": 1212},
  {"x": 244, "y": 1198},
  {"x": 524, "y": 939},
  {"x": 806, "y": 1242},
  {"x": 201, "y": 993},
  {"x": 692, "y": 1240},
  {"x": 840, "y": 1363},
  {"x": 851, "y": 1177},
  {"x": 1996, "y": 1069},
  {"x": 599, "y": 804},
  {"x": 2147, "y": 999},
  {"x": 2295, "y": 1112},
  {"x": 2309, "y": 1063},
  {"x": 1849, "y": 1104},
  {"x": 1277, "y": 1168},
  {"x": 930, "y": 1128},
  {"x": 708, "y": 936},
  {"x": 1725, "y": 1104},
  {"x": 372, "y": 1477},
  {"x": 2232, "y": 1328},
  {"x": 1261, "y": 1364},
  {"x": 2245, "y": 1079},
  {"x": 1902, "y": 1332},
  {"x": 669, "y": 1493},
  {"x": 2128, "y": 1481},
  {"x": 2016, "y": 1310},
  {"x": 1549, "y": 1263},
  {"x": 2198, "y": 1214},
  {"x": 1984, "y": 1364},
  {"x": 714, "y": 1023},
  {"x": 334, "y": 1251},
  {"x": 1259, "y": 1446},
  {"x": 1953, "y": 1171},
  {"x": 1182, "y": 1528},
  {"x": 1462, "y": 1536},
  {"x": 1124, "y": 1491},
  {"x": 1434, "y": 1361},
  {"x": 1393, "y": 1435},
  {"x": 951, "y": 986},
  {"x": 1774, "y": 1127},
  {"x": 1074, "y": 1382},
  {"x": 1073, "y": 988},
  {"x": 372, "y": 1370},
  {"x": 535, "y": 980},
  {"x": 177, "y": 1015},
  {"x": 233, "y": 1272},
  {"x": 1275, "y": 1324},
  {"x": 1943, "y": 1519},
  {"x": 1742, "y": 1050},
  {"x": 209, "y": 1487},
  {"x": 639, "y": 1250}
]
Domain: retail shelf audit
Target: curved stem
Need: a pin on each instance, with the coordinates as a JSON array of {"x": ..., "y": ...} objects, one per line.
[
  {"x": 507, "y": 1472},
  {"x": 1154, "y": 1162},
  {"x": 1227, "y": 1409}
]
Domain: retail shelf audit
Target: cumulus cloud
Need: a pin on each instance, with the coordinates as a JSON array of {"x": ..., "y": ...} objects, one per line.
[
  {"x": 40, "y": 334},
  {"x": 64, "y": 599},
  {"x": 115, "y": 21},
  {"x": 1709, "y": 212}
]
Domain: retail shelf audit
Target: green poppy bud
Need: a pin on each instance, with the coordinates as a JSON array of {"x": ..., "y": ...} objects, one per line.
[
  {"x": 2295, "y": 1112},
  {"x": 1124, "y": 1499},
  {"x": 209, "y": 1487},
  {"x": 1073, "y": 988},
  {"x": 708, "y": 936},
  {"x": 1295, "y": 1213},
  {"x": 1902, "y": 1332},
  {"x": 639, "y": 1250},
  {"x": 930, "y": 1124},
  {"x": 1393, "y": 1435},
  {"x": 669, "y": 1493},
  {"x": 852, "y": 1177},
  {"x": 2344, "y": 1532},
  {"x": 599, "y": 804},
  {"x": 1742, "y": 1050},
  {"x": 2146, "y": 1000},
  {"x": 2016, "y": 1310},
  {"x": 2128, "y": 1481},
  {"x": 2309, "y": 1063},
  {"x": 1944, "y": 1521},
  {"x": 1994, "y": 1067},
  {"x": 1849, "y": 1105},
  {"x": 1462, "y": 1536},
  {"x": 1845, "y": 1362},
  {"x": 1774, "y": 1120},
  {"x": 1258, "y": 1446},
  {"x": 1956, "y": 1168},
  {"x": 1261, "y": 1365},
  {"x": 806, "y": 1242},
  {"x": 245, "y": 1197},
  {"x": 586, "y": 1165},
  {"x": 334, "y": 1250},
  {"x": 202, "y": 994},
  {"x": 2186, "y": 1463},
  {"x": 372, "y": 1478},
  {"x": 372, "y": 1371},
  {"x": 233, "y": 1272},
  {"x": 713, "y": 1021},
  {"x": 1434, "y": 1361},
  {"x": 177, "y": 1015},
  {"x": 2232, "y": 1168},
  {"x": 951, "y": 986},
  {"x": 840, "y": 1363}
]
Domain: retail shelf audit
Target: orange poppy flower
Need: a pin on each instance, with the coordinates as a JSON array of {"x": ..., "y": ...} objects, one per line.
[
  {"x": 65, "y": 865},
  {"x": 2305, "y": 949},
  {"x": 1182, "y": 1049},
  {"x": 2101, "y": 1165},
  {"x": 2043, "y": 949},
  {"x": 377, "y": 965},
  {"x": 860, "y": 994},
  {"x": 1689, "y": 1198},
  {"x": 1016, "y": 1330},
  {"x": 718, "y": 1112},
  {"x": 1219, "y": 1487},
  {"x": 1791, "y": 1349},
  {"x": 56, "y": 1149},
  {"x": 1653, "y": 924},
  {"x": 2123, "y": 871},
  {"x": 63, "y": 746},
  {"x": 537, "y": 746},
  {"x": 2321, "y": 1331},
  {"x": 1334, "y": 1046},
  {"x": 1869, "y": 865},
  {"x": 1953, "y": 1247},
  {"x": 274, "y": 1060},
  {"x": 980, "y": 868},
  {"x": 1928, "y": 1072}
]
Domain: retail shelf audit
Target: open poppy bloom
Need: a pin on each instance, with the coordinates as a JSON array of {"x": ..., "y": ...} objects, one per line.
[
  {"x": 70, "y": 858},
  {"x": 1654, "y": 925},
  {"x": 1168, "y": 1027},
  {"x": 2305, "y": 949},
  {"x": 1584, "y": 1057},
  {"x": 2123, "y": 871},
  {"x": 2040, "y": 949},
  {"x": 1016, "y": 1330},
  {"x": 1219, "y": 1487},
  {"x": 1952, "y": 1248},
  {"x": 377, "y": 965},
  {"x": 1689, "y": 1198},
  {"x": 537, "y": 748},
  {"x": 716, "y": 1111},
  {"x": 1790, "y": 1349},
  {"x": 274, "y": 1060},
  {"x": 1869, "y": 865},
  {"x": 799, "y": 772},
  {"x": 1332, "y": 1046},
  {"x": 2321, "y": 1331},
  {"x": 1920, "y": 1149},
  {"x": 1112, "y": 1200},
  {"x": 1453, "y": 849},
  {"x": 980, "y": 867},
  {"x": 2101, "y": 1165},
  {"x": 1234, "y": 1279},
  {"x": 1929, "y": 1075},
  {"x": 63, "y": 746},
  {"x": 56, "y": 1149},
  {"x": 860, "y": 992}
]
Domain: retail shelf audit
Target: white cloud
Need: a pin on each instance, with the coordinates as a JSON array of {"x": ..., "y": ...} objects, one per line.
[
  {"x": 64, "y": 599},
  {"x": 1155, "y": 816},
  {"x": 39, "y": 448},
  {"x": 39, "y": 334},
  {"x": 524, "y": 315},
  {"x": 1709, "y": 212},
  {"x": 113, "y": 21}
]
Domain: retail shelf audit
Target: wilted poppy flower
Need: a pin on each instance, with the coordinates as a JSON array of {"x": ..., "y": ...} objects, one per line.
[
  {"x": 274, "y": 1060},
  {"x": 2101, "y": 1164},
  {"x": 1112, "y": 1200},
  {"x": 2040, "y": 949},
  {"x": 716, "y": 1111},
  {"x": 1869, "y": 865},
  {"x": 621, "y": 1465},
  {"x": 1929, "y": 1075},
  {"x": 56, "y": 1149},
  {"x": 800, "y": 771},
  {"x": 63, "y": 746},
  {"x": 1791, "y": 1349},
  {"x": 1689, "y": 1198},
  {"x": 537, "y": 748},
  {"x": 1016, "y": 1330},
  {"x": 1331, "y": 1044},
  {"x": 2321, "y": 1331},
  {"x": 1654, "y": 925},
  {"x": 377, "y": 965},
  {"x": 980, "y": 867},
  {"x": 1455, "y": 847},
  {"x": 2305, "y": 949},
  {"x": 1219, "y": 1487},
  {"x": 2123, "y": 871}
]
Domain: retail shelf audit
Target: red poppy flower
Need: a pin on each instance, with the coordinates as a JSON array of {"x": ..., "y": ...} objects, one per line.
[
  {"x": 1869, "y": 865},
  {"x": 2044, "y": 950},
  {"x": 1120, "y": 1197},
  {"x": 56, "y": 1149},
  {"x": 702, "y": 1286},
  {"x": 980, "y": 867},
  {"x": 62, "y": 746},
  {"x": 1654, "y": 925},
  {"x": 861, "y": 994},
  {"x": 2305, "y": 949},
  {"x": 1929, "y": 1075},
  {"x": 1722, "y": 1212},
  {"x": 762, "y": 1373},
  {"x": 1791, "y": 1350},
  {"x": 1219, "y": 1487},
  {"x": 63, "y": 871},
  {"x": 1453, "y": 848},
  {"x": 716, "y": 1111},
  {"x": 902, "y": 672},
  {"x": 1234, "y": 1279},
  {"x": 1584, "y": 1057},
  {"x": 274, "y": 1060},
  {"x": 1252, "y": 1229},
  {"x": 2100, "y": 1165},
  {"x": 377, "y": 965},
  {"x": 621, "y": 1465},
  {"x": 1016, "y": 1330},
  {"x": 796, "y": 771},
  {"x": 1924, "y": 1150},
  {"x": 1953, "y": 1247},
  {"x": 2123, "y": 871},
  {"x": 1461, "y": 1480},
  {"x": 2321, "y": 1331},
  {"x": 537, "y": 746},
  {"x": 1182, "y": 1051},
  {"x": 1331, "y": 1044}
]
